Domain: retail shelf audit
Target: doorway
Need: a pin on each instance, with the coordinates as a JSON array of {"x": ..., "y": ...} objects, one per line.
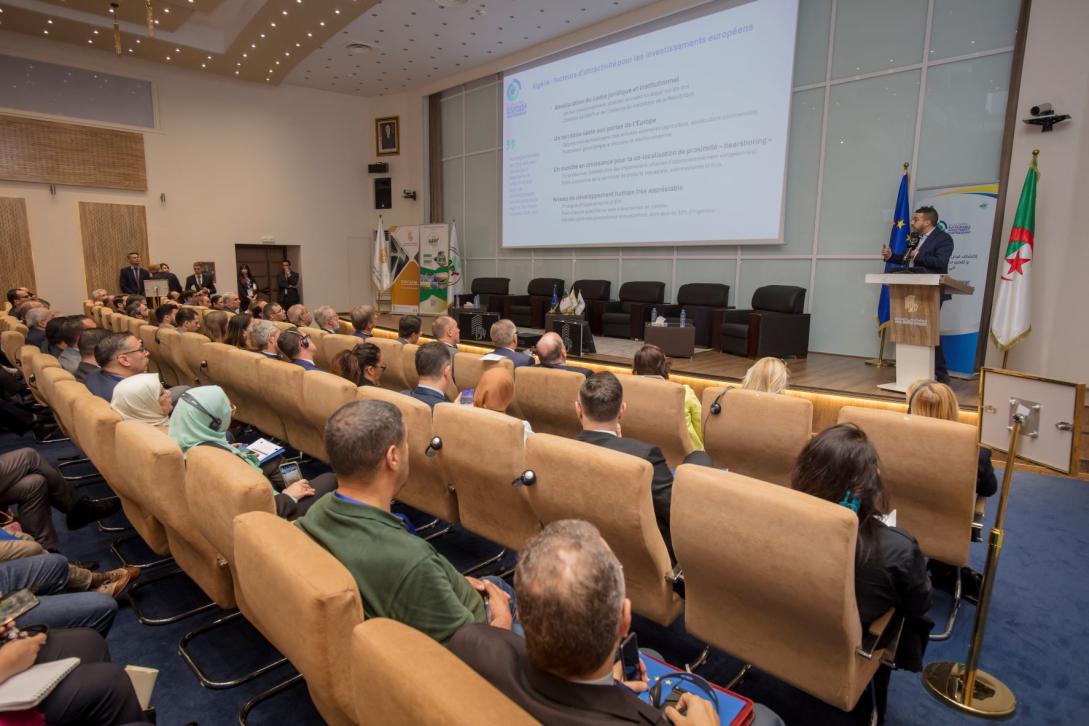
[{"x": 264, "y": 262}]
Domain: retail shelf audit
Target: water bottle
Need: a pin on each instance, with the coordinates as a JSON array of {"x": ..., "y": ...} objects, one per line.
[
  {"x": 653, "y": 315},
  {"x": 684, "y": 316}
]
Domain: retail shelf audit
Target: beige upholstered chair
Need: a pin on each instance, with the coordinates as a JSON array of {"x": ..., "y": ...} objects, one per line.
[
  {"x": 231, "y": 368},
  {"x": 612, "y": 491},
  {"x": 769, "y": 578},
  {"x": 546, "y": 397},
  {"x": 305, "y": 602},
  {"x": 468, "y": 367},
  {"x": 192, "y": 349},
  {"x": 316, "y": 337},
  {"x": 394, "y": 672},
  {"x": 323, "y": 393},
  {"x": 393, "y": 377},
  {"x": 408, "y": 365},
  {"x": 655, "y": 414},
  {"x": 248, "y": 381},
  {"x": 215, "y": 365},
  {"x": 149, "y": 335},
  {"x": 38, "y": 361},
  {"x": 756, "y": 434},
  {"x": 332, "y": 344},
  {"x": 170, "y": 343},
  {"x": 281, "y": 385},
  {"x": 10, "y": 342}
]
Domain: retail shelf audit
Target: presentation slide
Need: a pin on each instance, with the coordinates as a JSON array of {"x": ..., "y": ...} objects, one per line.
[{"x": 675, "y": 136}]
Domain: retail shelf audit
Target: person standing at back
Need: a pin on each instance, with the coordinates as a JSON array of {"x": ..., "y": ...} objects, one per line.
[
  {"x": 247, "y": 288},
  {"x": 131, "y": 278},
  {"x": 287, "y": 284},
  {"x": 200, "y": 281}
]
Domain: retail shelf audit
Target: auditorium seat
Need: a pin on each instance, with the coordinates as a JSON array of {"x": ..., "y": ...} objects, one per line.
[
  {"x": 595, "y": 293},
  {"x": 627, "y": 316},
  {"x": 254, "y": 406},
  {"x": 283, "y": 325},
  {"x": 192, "y": 350},
  {"x": 934, "y": 495},
  {"x": 332, "y": 344},
  {"x": 170, "y": 344},
  {"x": 655, "y": 414},
  {"x": 316, "y": 337},
  {"x": 38, "y": 362},
  {"x": 50, "y": 380},
  {"x": 546, "y": 397},
  {"x": 215, "y": 365},
  {"x": 10, "y": 343},
  {"x": 408, "y": 365},
  {"x": 612, "y": 491},
  {"x": 306, "y": 603},
  {"x": 281, "y": 384},
  {"x": 322, "y": 393},
  {"x": 87, "y": 305},
  {"x": 769, "y": 576},
  {"x": 393, "y": 377},
  {"x": 775, "y": 326},
  {"x": 468, "y": 367},
  {"x": 704, "y": 304},
  {"x": 149, "y": 335},
  {"x": 493, "y": 292},
  {"x": 756, "y": 434},
  {"x": 394, "y": 672},
  {"x": 528, "y": 311}
]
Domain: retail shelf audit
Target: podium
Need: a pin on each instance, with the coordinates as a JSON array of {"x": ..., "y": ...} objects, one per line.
[{"x": 915, "y": 321}]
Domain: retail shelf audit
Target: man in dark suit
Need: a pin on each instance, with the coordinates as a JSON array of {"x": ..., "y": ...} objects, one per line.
[
  {"x": 200, "y": 280},
  {"x": 553, "y": 354},
  {"x": 435, "y": 370},
  {"x": 505, "y": 336},
  {"x": 119, "y": 355},
  {"x": 930, "y": 254},
  {"x": 131, "y": 279},
  {"x": 445, "y": 330}
]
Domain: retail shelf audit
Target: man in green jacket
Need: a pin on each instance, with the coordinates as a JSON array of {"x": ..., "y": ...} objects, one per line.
[{"x": 400, "y": 576}]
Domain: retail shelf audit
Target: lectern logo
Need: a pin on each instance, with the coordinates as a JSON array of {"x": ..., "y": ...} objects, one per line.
[{"x": 911, "y": 305}]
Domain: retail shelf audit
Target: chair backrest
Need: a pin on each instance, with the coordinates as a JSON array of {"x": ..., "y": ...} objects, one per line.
[
  {"x": 25, "y": 360},
  {"x": 170, "y": 343},
  {"x": 281, "y": 384},
  {"x": 704, "y": 294},
  {"x": 427, "y": 488},
  {"x": 655, "y": 414},
  {"x": 316, "y": 337},
  {"x": 612, "y": 491},
  {"x": 149, "y": 335},
  {"x": 756, "y": 434},
  {"x": 592, "y": 289},
  {"x": 62, "y": 409},
  {"x": 933, "y": 494},
  {"x": 482, "y": 453},
  {"x": 408, "y": 365},
  {"x": 769, "y": 578},
  {"x": 546, "y": 397},
  {"x": 10, "y": 342},
  {"x": 215, "y": 365},
  {"x": 491, "y": 286},
  {"x": 779, "y": 298},
  {"x": 543, "y": 286},
  {"x": 332, "y": 344},
  {"x": 323, "y": 393},
  {"x": 645, "y": 291},
  {"x": 394, "y": 671},
  {"x": 393, "y": 359},
  {"x": 192, "y": 349},
  {"x": 160, "y": 475},
  {"x": 468, "y": 367},
  {"x": 305, "y": 602},
  {"x": 245, "y": 382},
  {"x": 39, "y": 361}
]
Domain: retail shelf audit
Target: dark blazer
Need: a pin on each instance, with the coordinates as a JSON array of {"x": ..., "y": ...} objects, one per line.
[
  {"x": 519, "y": 359},
  {"x": 499, "y": 656},
  {"x": 101, "y": 384},
  {"x": 246, "y": 296},
  {"x": 986, "y": 482},
  {"x": 36, "y": 337},
  {"x": 576, "y": 369},
  {"x": 207, "y": 280},
  {"x": 128, "y": 283},
  {"x": 933, "y": 255},
  {"x": 362, "y": 335},
  {"x": 288, "y": 286},
  {"x": 305, "y": 364},
  {"x": 83, "y": 370},
  {"x": 172, "y": 284},
  {"x": 429, "y": 396}
]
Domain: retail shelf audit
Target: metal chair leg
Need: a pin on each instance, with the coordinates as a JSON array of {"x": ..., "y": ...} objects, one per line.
[
  {"x": 265, "y": 695},
  {"x": 945, "y": 634},
  {"x": 145, "y": 620},
  {"x": 115, "y": 547},
  {"x": 700, "y": 659},
  {"x": 481, "y": 565},
  {"x": 201, "y": 675}
]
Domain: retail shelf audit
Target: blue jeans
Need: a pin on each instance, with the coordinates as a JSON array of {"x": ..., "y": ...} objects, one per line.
[
  {"x": 503, "y": 585},
  {"x": 47, "y": 577}
]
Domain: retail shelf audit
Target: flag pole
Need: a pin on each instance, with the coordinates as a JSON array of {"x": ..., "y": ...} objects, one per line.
[{"x": 880, "y": 361}]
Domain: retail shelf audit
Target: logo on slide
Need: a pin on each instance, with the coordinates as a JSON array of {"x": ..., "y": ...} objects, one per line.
[{"x": 513, "y": 89}]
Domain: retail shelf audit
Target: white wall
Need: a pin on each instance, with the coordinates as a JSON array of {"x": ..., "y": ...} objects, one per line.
[{"x": 236, "y": 161}]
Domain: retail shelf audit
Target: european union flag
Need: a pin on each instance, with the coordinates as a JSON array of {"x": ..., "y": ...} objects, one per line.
[
  {"x": 901, "y": 219},
  {"x": 555, "y": 298}
]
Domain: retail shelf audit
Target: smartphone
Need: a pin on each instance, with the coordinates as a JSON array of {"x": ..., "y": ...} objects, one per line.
[
  {"x": 629, "y": 657},
  {"x": 16, "y": 604},
  {"x": 290, "y": 473}
]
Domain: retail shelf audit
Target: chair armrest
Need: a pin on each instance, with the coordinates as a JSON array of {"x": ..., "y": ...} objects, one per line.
[
  {"x": 736, "y": 316},
  {"x": 521, "y": 300},
  {"x": 883, "y": 634},
  {"x": 639, "y": 314},
  {"x": 675, "y": 578},
  {"x": 595, "y": 310}
]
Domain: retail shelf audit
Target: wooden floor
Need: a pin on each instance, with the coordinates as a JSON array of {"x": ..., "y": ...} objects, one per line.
[{"x": 822, "y": 372}]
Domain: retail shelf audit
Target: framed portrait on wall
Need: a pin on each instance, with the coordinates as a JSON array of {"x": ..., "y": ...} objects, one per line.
[{"x": 387, "y": 136}]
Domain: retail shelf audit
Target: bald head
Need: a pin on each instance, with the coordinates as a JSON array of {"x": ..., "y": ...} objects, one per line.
[
  {"x": 445, "y": 330},
  {"x": 551, "y": 350}
]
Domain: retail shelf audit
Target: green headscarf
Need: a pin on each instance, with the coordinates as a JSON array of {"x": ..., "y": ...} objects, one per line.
[{"x": 190, "y": 426}]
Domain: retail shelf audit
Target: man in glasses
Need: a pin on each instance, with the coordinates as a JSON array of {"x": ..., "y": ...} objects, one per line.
[{"x": 119, "y": 356}]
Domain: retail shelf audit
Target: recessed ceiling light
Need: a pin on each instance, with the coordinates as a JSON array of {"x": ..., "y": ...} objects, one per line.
[
  {"x": 253, "y": 45},
  {"x": 166, "y": 10},
  {"x": 336, "y": 12},
  {"x": 137, "y": 41},
  {"x": 298, "y": 45},
  {"x": 45, "y": 32},
  {"x": 203, "y": 65},
  {"x": 272, "y": 25},
  {"x": 50, "y": 22},
  {"x": 309, "y": 35},
  {"x": 245, "y": 55},
  {"x": 168, "y": 57},
  {"x": 262, "y": 35},
  {"x": 321, "y": 23},
  {"x": 177, "y": 50},
  {"x": 90, "y": 40},
  {"x": 358, "y": 48},
  {"x": 95, "y": 32},
  {"x": 286, "y": 52},
  {"x": 236, "y": 73}
]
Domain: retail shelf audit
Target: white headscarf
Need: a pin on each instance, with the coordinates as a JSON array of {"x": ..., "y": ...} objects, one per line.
[{"x": 136, "y": 398}]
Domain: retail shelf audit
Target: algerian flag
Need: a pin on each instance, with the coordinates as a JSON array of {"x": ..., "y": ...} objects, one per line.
[
  {"x": 455, "y": 281},
  {"x": 1011, "y": 320},
  {"x": 581, "y": 306},
  {"x": 380, "y": 271}
]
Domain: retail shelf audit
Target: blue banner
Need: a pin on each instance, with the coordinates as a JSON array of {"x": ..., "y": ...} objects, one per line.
[{"x": 901, "y": 220}]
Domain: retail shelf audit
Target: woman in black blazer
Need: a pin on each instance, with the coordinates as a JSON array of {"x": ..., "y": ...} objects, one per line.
[
  {"x": 247, "y": 288},
  {"x": 288, "y": 284}
]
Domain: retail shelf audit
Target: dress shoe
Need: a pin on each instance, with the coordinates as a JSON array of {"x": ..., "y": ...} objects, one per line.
[
  {"x": 90, "y": 510},
  {"x": 115, "y": 581},
  {"x": 85, "y": 564}
]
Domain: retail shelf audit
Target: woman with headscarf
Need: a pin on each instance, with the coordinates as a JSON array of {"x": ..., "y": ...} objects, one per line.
[
  {"x": 142, "y": 398},
  {"x": 202, "y": 418},
  {"x": 495, "y": 391}
]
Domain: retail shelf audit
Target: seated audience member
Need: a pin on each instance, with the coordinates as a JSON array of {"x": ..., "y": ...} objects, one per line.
[
  {"x": 137, "y": 309},
  {"x": 651, "y": 362},
  {"x": 275, "y": 313},
  {"x": 202, "y": 417},
  {"x": 495, "y": 391},
  {"x": 299, "y": 316},
  {"x": 20, "y": 545},
  {"x": 937, "y": 400},
  {"x": 47, "y": 576},
  {"x": 767, "y": 374},
  {"x": 32, "y": 486},
  {"x": 408, "y": 329},
  {"x": 190, "y": 297},
  {"x": 165, "y": 315},
  {"x": 600, "y": 408},
  {"x": 238, "y": 331},
  {"x": 257, "y": 308},
  {"x": 362, "y": 365},
  {"x": 400, "y": 575},
  {"x": 88, "y": 341},
  {"x": 436, "y": 372},
  {"x": 297, "y": 348},
  {"x": 363, "y": 319},
  {"x": 19, "y": 295},
  {"x": 505, "y": 336},
  {"x": 325, "y": 318},
  {"x": 446, "y": 331},
  {"x": 204, "y": 299},
  {"x": 217, "y": 302},
  {"x": 143, "y": 398},
  {"x": 230, "y": 302},
  {"x": 553, "y": 354},
  {"x": 215, "y": 325},
  {"x": 841, "y": 465},
  {"x": 187, "y": 321},
  {"x": 36, "y": 320},
  {"x": 52, "y": 336},
  {"x": 66, "y": 339},
  {"x": 264, "y": 336},
  {"x": 119, "y": 355},
  {"x": 98, "y": 296}
]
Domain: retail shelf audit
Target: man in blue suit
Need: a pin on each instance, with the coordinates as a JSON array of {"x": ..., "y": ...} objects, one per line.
[
  {"x": 436, "y": 371},
  {"x": 930, "y": 254},
  {"x": 505, "y": 336}
]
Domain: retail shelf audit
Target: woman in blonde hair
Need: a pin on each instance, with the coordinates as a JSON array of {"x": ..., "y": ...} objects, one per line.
[
  {"x": 495, "y": 391},
  {"x": 937, "y": 400},
  {"x": 767, "y": 374}
]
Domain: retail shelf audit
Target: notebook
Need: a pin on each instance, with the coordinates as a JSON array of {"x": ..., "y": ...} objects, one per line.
[
  {"x": 264, "y": 450},
  {"x": 29, "y": 688}
]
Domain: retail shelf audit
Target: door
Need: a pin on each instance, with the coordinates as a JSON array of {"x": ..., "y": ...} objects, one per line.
[{"x": 264, "y": 262}]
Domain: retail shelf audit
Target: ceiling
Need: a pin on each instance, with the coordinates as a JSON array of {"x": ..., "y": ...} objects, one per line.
[{"x": 305, "y": 42}]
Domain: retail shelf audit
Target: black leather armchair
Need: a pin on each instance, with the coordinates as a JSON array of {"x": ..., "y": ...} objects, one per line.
[
  {"x": 595, "y": 293},
  {"x": 775, "y": 326},
  {"x": 626, "y": 317},
  {"x": 703, "y": 303},
  {"x": 529, "y": 310},
  {"x": 494, "y": 295}
]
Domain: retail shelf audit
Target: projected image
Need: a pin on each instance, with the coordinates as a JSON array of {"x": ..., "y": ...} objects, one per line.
[{"x": 675, "y": 136}]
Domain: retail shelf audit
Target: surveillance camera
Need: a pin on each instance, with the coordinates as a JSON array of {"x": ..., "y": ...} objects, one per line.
[{"x": 1042, "y": 109}]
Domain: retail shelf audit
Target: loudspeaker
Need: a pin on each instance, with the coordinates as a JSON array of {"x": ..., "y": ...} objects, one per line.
[
  {"x": 383, "y": 193},
  {"x": 379, "y": 168}
]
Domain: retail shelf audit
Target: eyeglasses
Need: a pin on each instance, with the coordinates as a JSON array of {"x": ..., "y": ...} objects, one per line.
[{"x": 141, "y": 349}]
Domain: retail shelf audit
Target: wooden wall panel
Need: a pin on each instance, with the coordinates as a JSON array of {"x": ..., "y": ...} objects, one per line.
[
  {"x": 110, "y": 231},
  {"x": 32, "y": 150},
  {"x": 16, "y": 260}
]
